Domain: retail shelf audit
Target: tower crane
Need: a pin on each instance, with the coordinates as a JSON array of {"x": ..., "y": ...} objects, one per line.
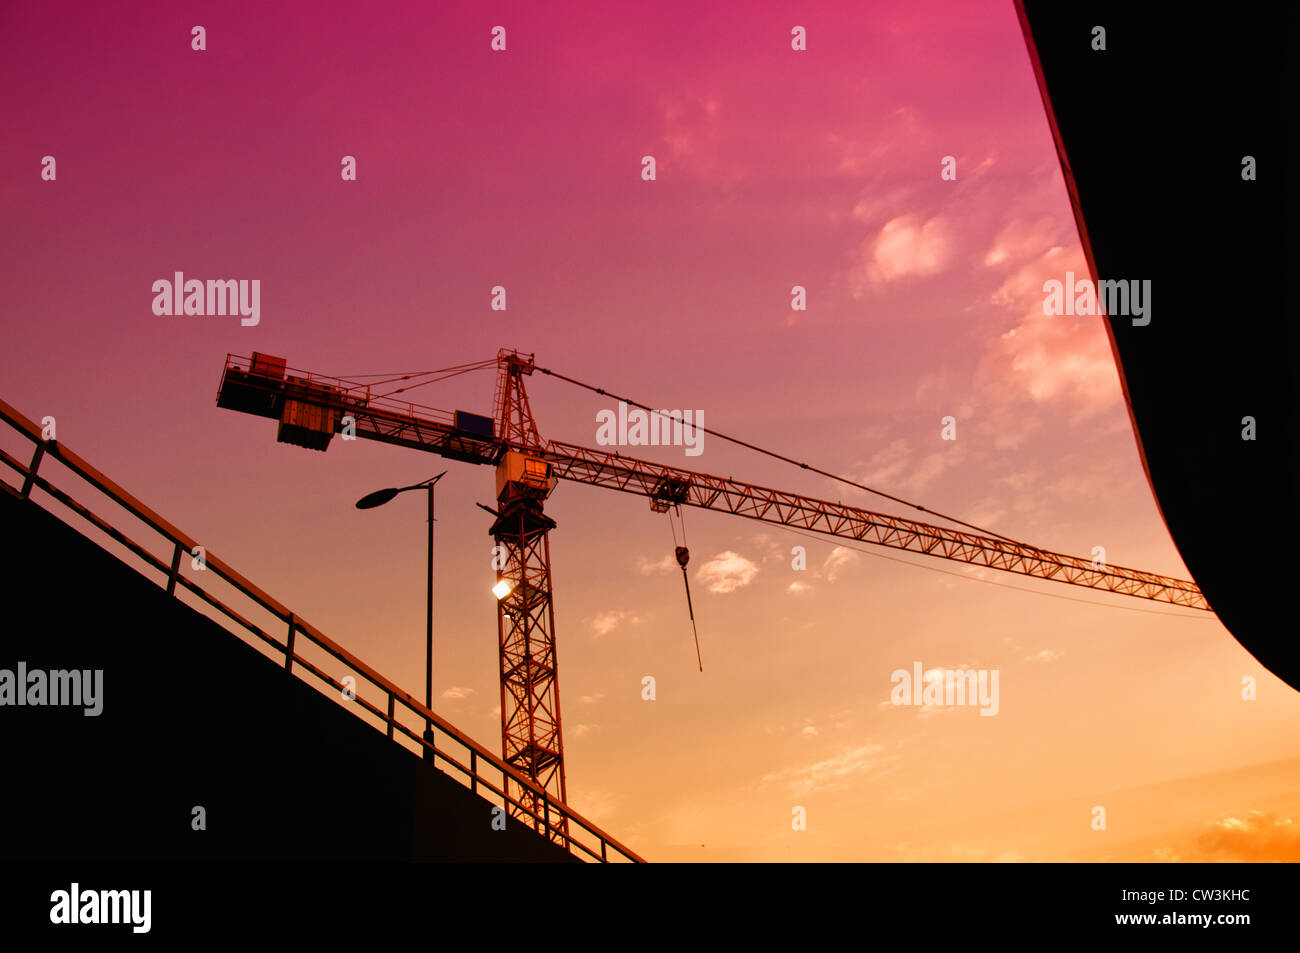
[{"x": 312, "y": 408}]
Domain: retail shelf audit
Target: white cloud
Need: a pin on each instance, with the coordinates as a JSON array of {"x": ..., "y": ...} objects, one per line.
[
  {"x": 905, "y": 247},
  {"x": 456, "y": 693},
  {"x": 727, "y": 572}
]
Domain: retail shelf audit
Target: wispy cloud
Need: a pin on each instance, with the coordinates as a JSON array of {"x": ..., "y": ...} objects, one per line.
[
  {"x": 838, "y": 561},
  {"x": 649, "y": 567},
  {"x": 897, "y": 467},
  {"x": 845, "y": 767},
  {"x": 1055, "y": 360},
  {"x": 606, "y": 622}
]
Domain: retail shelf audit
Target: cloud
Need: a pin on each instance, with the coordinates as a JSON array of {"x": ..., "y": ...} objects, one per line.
[
  {"x": 1059, "y": 361},
  {"x": 771, "y": 549},
  {"x": 695, "y": 140},
  {"x": 810, "y": 731},
  {"x": 931, "y": 676},
  {"x": 605, "y": 623},
  {"x": 1256, "y": 837},
  {"x": 581, "y": 731},
  {"x": 649, "y": 568},
  {"x": 1046, "y": 655},
  {"x": 887, "y": 466},
  {"x": 590, "y": 699},
  {"x": 895, "y": 468},
  {"x": 798, "y": 588},
  {"x": 1087, "y": 477},
  {"x": 1050, "y": 359},
  {"x": 839, "y": 559},
  {"x": 906, "y": 247},
  {"x": 876, "y": 203},
  {"x": 456, "y": 693},
  {"x": 843, "y": 768},
  {"x": 1023, "y": 239},
  {"x": 986, "y": 512},
  {"x": 727, "y": 572}
]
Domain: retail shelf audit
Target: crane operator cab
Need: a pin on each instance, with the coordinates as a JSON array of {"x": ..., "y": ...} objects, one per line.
[{"x": 521, "y": 475}]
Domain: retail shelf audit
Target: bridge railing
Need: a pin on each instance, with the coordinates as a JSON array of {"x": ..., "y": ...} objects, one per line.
[{"x": 458, "y": 755}]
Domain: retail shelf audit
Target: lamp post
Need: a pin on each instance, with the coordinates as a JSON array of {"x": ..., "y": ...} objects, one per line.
[{"x": 379, "y": 498}]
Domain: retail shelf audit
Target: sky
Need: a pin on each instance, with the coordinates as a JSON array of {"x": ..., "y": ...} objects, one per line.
[{"x": 774, "y": 168}]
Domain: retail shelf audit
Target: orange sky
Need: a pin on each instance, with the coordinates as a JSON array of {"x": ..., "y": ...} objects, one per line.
[{"x": 819, "y": 169}]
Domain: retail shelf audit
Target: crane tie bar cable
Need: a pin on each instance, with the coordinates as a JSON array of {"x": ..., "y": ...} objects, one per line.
[{"x": 785, "y": 459}]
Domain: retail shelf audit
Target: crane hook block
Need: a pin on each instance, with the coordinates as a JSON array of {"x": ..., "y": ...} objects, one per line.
[{"x": 683, "y": 556}]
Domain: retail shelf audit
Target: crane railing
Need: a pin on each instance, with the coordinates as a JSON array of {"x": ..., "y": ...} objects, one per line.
[
  {"x": 469, "y": 762},
  {"x": 249, "y": 389},
  {"x": 346, "y": 394},
  {"x": 670, "y": 485}
]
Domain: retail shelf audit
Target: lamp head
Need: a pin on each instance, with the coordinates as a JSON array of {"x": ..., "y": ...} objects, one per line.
[{"x": 378, "y": 498}]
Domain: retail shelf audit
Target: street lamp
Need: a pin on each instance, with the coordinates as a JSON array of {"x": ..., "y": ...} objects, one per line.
[{"x": 379, "y": 498}]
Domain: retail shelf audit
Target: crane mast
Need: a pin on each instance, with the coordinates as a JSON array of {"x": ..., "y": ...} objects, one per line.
[
  {"x": 311, "y": 409},
  {"x": 530, "y": 690}
]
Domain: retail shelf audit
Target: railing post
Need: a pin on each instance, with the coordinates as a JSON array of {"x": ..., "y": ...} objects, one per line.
[
  {"x": 604, "y": 858},
  {"x": 390, "y": 716},
  {"x": 288, "y": 651},
  {"x": 546, "y": 814},
  {"x": 175, "y": 570},
  {"x": 31, "y": 470},
  {"x": 473, "y": 771}
]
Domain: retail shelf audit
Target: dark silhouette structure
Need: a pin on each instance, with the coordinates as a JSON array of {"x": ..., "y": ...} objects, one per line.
[
  {"x": 194, "y": 717},
  {"x": 1153, "y": 133}
]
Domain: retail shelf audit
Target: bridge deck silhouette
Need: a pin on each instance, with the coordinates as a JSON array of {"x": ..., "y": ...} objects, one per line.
[{"x": 217, "y": 709}]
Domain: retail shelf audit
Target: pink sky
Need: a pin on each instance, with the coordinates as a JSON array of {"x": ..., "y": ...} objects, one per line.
[{"x": 775, "y": 168}]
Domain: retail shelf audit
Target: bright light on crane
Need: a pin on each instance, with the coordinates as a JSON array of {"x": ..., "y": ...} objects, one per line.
[{"x": 502, "y": 588}]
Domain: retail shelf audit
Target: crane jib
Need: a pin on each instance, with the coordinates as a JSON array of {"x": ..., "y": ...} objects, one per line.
[{"x": 724, "y": 494}]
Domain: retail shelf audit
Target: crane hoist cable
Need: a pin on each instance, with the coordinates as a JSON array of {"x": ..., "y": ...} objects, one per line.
[{"x": 683, "y": 557}]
